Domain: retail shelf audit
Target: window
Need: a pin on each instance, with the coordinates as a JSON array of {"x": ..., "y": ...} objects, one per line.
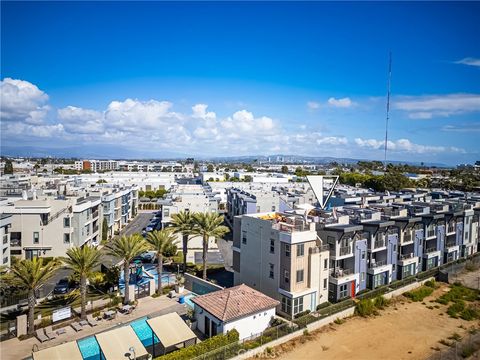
[
  {"x": 36, "y": 237},
  {"x": 297, "y": 305},
  {"x": 300, "y": 249},
  {"x": 377, "y": 280},
  {"x": 363, "y": 255},
  {"x": 343, "y": 291},
  {"x": 166, "y": 212},
  {"x": 272, "y": 267},
  {"x": 299, "y": 276},
  {"x": 66, "y": 222},
  {"x": 286, "y": 305},
  {"x": 244, "y": 237},
  {"x": 272, "y": 246},
  {"x": 286, "y": 276},
  {"x": 66, "y": 238},
  {"x": 330, "y": 240},
  {"x": 325, "y": 284},
  {"x": 393, "y": 267},
  {"x": 287, "y": 250},
  {"x": 362, "y": 277},
  {"x": 325, "y": 264},
  {"x": 273, "y": 208}
]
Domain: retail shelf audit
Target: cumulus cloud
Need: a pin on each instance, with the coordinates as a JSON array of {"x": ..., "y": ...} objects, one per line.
[
  {"x": 244, "y": 121},
  {"x": 340, "y": 103},
  {"x": 40, "y": 131},
  {"x": 427, "y": 107},
  {"x": 405, "y": 145},
  {"x": 22, "y": 101},
  {"x": 469, "y": 61},
  {"x": 83, "y": 121}
]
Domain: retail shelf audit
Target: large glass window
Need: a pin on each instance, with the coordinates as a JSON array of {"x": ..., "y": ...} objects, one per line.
[
  {"x": 297, "y": 305},
  {"x": 272, "y": 268},
  {"x": 272, "y": 246},
  {"x": 343, "y": 291},
  {"x": 286, "y": 276},
  {"x": 66, "y": 222},
  {"x": 378, "y": 280},
  {"x": 286, "y": 305},
  {"x": 287, "y": 250},
  {"x": 36, "y": 237},
  {"x": 66, "y": 238},
  {"x": 244, "y": 237}
]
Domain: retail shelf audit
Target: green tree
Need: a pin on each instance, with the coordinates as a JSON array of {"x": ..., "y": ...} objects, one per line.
[
  {"x": 36, "y": 167},
  {"x": 83, "y": 261},
  {"x": 104, "y": 229},
  {"x": 210, "y": 168},
  {"x": 101, "y": 181},
  {"x": 126, "y": 248},
  {"x": 182, "y": 223},
  {"x": 163, "y": 243},
  {"x": 208, "y": 224},
  {"x": 8, "y": 167},
  {"x": 284, "y": 169},
  {"x": 247, "y": 178},
  {"x": 32, "y": 274},
  {"x": 227, "y": 176}
]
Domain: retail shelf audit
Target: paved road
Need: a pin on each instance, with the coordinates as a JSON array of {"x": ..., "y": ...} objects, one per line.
[
  {"x": 138, "y": 223},
  {"x": 47, "y": 288}
]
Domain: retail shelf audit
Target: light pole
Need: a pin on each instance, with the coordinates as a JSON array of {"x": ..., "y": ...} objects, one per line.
[{"x": 132, "y": 350}]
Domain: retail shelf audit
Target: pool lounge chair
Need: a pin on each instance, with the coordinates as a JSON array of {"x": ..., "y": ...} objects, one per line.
[
  {"x": 41, "y": 335},
  {"x": 83, "y": 323},
  {"x": 61, "y": 331},
  {"x": 91, "y": 320},
  {"x": 76, "y": 326},
  {"x": 50, "y": 333}
]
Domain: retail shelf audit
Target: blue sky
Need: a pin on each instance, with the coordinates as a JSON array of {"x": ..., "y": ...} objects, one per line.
[{"x": 158, "y": 79}]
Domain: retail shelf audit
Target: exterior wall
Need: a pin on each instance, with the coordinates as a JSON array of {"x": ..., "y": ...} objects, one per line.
[
  {"x": 361, "y": 264},
  {"x": 392, "y": 254},
  {"x": 440, "y": 241},
  {"x": 252, "y": 324},
  {"x": 5, "y": 223}
]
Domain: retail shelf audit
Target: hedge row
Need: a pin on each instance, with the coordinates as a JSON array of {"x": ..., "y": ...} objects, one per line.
[{"x": 203, "y": 347}]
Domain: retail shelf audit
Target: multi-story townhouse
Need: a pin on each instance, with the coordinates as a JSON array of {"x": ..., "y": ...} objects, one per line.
[
  {"x": 240, "y": 202},
  {"x": 86, "y": 221},
  {"x": 281, "y": 255},
  {"x": 5, "y": 224}
]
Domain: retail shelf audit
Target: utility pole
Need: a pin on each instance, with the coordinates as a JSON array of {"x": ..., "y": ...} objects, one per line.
[{"x": 388, "y": 108}]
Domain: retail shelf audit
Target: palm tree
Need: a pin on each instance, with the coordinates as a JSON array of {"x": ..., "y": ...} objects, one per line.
[
  {"x": 126, "y": 248},
  {"x": 163, "y": 243},
  {"x": 207, "y": 225},
  {"x": 31, "y": 274},
  {"x": 182, "y": 223},
  {"x": 83, "y": 261}
]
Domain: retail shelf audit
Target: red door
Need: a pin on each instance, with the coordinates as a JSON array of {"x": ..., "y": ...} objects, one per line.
[{"x": 353, "y": 289}]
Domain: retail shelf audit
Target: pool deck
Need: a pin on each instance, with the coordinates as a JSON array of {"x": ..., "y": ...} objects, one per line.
[{"x": 15, "y": 349}]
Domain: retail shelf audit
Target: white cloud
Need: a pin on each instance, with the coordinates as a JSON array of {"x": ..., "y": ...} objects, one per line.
[
  {"x": 469, "y": 61},
  {"x": 427, "y": 107},
  {"x": 83, "y": 121},
  {"x": 473, "y": 127},
  {"x": 332, "y": 140},
  {"x": 313, "y": 105},
  {"x": 41, "y": 131},
  {"x": 340, "y": 103},
  {"x": 245, "y": 122},
  {"x": 405, "y": 145},
  {"x": 22, "y": 101}
]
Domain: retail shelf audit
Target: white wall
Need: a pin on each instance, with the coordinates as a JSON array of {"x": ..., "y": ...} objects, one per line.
[{"x": 252, "y": 324}]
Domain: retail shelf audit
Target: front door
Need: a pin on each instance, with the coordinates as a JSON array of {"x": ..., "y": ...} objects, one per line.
[{"x": 353, "y": 289}]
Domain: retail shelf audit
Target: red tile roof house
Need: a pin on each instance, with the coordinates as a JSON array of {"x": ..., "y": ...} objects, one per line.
[{"x": 240, "y": 307}]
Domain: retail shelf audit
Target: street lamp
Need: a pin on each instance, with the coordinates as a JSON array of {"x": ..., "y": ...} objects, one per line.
[{"x": 132, "y": 350}]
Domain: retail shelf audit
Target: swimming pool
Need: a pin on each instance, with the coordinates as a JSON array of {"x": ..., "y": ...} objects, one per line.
[
  {"x": 144, "y": 331},
  {"x": 188, "y": 299},
  {"x": 167, "y": 277},
  {"x": 89, "y": 348}
]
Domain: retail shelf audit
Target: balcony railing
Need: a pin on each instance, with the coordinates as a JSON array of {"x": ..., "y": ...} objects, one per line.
[
  {"x": 431, "y": 250},
  {"x": 430, "y": 233},
  {"x": 451, "y": 243},
  {"x": 407, "y": 237},
  {"x": 5, "y": 239},
  {"x": 338, "y": 273},
  {"x": 15, "y": 242},
  {"x": 95, "y": 229},
  {"x": 406, "y": 256},
  {"x": 345, "y": 250},
  {"x": 376, "y": 264},
  {"x": 451, "y": 229},
  {"x": 95, "y": 214}
]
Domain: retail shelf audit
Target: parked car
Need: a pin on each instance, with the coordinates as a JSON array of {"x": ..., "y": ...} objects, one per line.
[{"x": 62, "y": 287}]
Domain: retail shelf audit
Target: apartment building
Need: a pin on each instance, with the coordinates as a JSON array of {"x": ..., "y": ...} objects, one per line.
[
  {"x": 49, "y": 226},
  {"x": 96, "y": 165},
  {"x": 5, "y": 224},
  {"x": 281, "y": 255},
  {"x": 120, "y": 205},
  {"x": 241, "y": 202}
]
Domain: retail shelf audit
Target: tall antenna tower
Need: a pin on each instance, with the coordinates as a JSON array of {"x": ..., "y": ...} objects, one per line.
[{"x": 388, "y": 108}]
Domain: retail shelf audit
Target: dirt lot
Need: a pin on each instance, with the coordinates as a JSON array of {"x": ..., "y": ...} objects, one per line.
[{"x": 404, "y": 330}]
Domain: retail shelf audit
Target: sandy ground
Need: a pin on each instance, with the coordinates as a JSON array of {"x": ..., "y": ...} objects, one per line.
[{"x": 404, "y": 330}]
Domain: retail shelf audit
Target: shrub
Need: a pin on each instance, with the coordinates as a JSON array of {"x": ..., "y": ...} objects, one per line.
[
  {"x": 365, "y": 308},
  {"x": 468, "y": 351},
  {"x": 303, "y": 313},
  {"x": 455, "y": 336},
  {"x": 203, "y": 347},
  {"x": 339, "y": 321},
  {"x": 380, "y": 302},
  {"x": 455, "y": 308},
  {"x": 431, "y": 283},
  {"x": 323, "y": 305},
  {"x": 470, "y": 313},
  {"x": 458, "y": 292},
  {"x": 419, "y": 294}
]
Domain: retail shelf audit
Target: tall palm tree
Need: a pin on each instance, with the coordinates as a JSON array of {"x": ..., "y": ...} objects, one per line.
[
  {"x": 207, "y": 225},
  {"x": 126, "y": 248},
  {"x": 31, "y": 274},
  {"x": 83, "y": 261},
  {"x": 182, "y": 223},
  {"x": 163, "y": 243}
]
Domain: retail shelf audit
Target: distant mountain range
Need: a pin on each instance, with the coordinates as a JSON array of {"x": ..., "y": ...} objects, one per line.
[{"x": 110, "y": 152}]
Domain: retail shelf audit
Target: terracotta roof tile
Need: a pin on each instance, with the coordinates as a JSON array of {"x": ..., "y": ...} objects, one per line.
[{"x": 234, "y": 302}]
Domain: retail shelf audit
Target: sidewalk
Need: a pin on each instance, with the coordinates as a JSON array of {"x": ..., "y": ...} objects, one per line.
[{"x": 15, "y": 349}]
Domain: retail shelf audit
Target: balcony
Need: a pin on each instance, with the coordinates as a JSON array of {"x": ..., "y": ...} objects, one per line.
[
  {"x": 431, "y": 250},
  {"x": 379, "y": 243},
  {"x": 407, "y": 237},
  {"x": 95, "y": 214},
  {"x": 407, "y": 259},
  {"x": 339, "y": 273},
  {"x": 5, "y": 239},
  {"x": 450, "y": 244},
  {"x": 15, "y": 242},
  {"x": 376, "y": 264},
  {"x": 95, "y": 229},
  {"x": 430, "y": 233},
  {"x": 406, "y": 256}
]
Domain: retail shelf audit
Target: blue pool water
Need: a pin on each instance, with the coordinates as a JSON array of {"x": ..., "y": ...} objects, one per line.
[
  {"x": 167, "y": 278},
  {"x": 188, "y": 299},
  {"x": 144, "y": 331},
  {"x": 89, "y": 348}
]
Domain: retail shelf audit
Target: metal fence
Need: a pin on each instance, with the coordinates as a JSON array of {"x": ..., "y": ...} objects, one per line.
[{"x": 463, "y": 349}]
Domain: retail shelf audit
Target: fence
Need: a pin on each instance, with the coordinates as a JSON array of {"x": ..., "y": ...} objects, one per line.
[
  {"x": 459, "y": 350},
  {"x": 199, "y": 286}
]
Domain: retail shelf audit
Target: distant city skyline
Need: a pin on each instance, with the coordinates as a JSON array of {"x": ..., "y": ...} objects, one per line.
[{"x": 163, "y": 80}]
